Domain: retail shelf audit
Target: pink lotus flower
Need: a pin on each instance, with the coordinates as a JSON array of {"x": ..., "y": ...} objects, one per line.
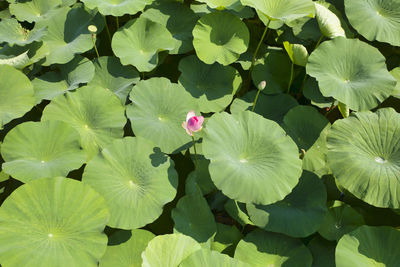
[{"x": 193, "y": 123}]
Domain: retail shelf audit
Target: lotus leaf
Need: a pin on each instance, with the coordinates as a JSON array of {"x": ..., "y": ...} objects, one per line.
[
  {"x": 242, "y": 156},
  {"x": 94, "y": 112},
  {"x": 53, "y": 222},
  {"x": 352, "y": 72},
  {"x": 213, "y": 85},
  {"x": 16, "y": 94},
  {"x": 118, "y": 8},
  {"x": 135, "y": 179},
  {"x": 220, "y": 37}
]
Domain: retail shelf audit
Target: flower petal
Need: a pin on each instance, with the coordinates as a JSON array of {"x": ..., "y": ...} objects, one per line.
[{"x": 190, "y": 114}]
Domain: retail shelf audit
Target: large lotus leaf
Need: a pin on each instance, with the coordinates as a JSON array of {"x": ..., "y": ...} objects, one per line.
[
  {"x": 260, "y": 249},
  {"x": 236, "y": 8},
  {"x": 139, "y": 41},
  {"x": 117, "y": 8},
  {"x": 396, "y": 74},
  {"x": 304, "y": 124},
  {"x": 34, "y": 10},
  {"x": 328, "y": 22},
  {"x": 67, "y": 77},
  {"x": 352, "y": 72},
  {"x": 34, "y": 150},
  {"x": 206, "y": 257},
  {"x": 178, "y": 19},
  {"x": 157, "y": 111},
  {"x": 375, "y": 19},
  {"x": 127, "y": 254},
  {"x": 68, "y": 34},
  {"x": 168, "y": 250},
  {"x": 22, "y": 56},
  {"x": 135, "y": 179},
  {"x": 192, "y": 217},
  {"x": 221, "y": 4},
  {"x": 364, "y": 152},
  {"x": 226, "y": 238},
  {"x": 340, "y": 220},
  {"x": 13, "y": 33},
  {"x": 284, "y": 10},
  {"x": 96, "y": 113},
  {"x": 272, "y": 107},
  {"x": 247, "y": 164},
  {"x": 16, "y": 94},
  {"x": 369, "y": 246},
  {"x": 306, "y": 205},
  {"x": 275, "y": 69},
  {"x": 112, "y": 75},
  {"x": 213, "y": 85},
  {"x": 220, "y": 37},
  {"x": 53, "y": 222},
  {"x": 322, "y": 251}
]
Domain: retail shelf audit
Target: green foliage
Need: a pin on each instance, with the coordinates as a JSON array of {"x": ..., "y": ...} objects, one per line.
[{"x": 232, "y": 132}]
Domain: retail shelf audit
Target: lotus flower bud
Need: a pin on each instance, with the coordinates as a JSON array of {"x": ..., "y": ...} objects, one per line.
[
  {"x": 261, "y": 85},
  {"x": 193, "y": 123}
]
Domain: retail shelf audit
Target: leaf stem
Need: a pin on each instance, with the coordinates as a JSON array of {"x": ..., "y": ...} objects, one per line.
[
  {"x": 117, "y": 23},
  {"x": 195, "y": 152},
  {"x": 253, "y": 60},
  {"x": 291, "y": 78},
  {"x": 255, "y": 100},
  {"x": 94, "y": 45},
  {"x": 108, "y": 30}
]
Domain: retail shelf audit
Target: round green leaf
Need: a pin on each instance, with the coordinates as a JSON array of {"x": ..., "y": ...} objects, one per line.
[
  {"x": 340, "y": 220},
  {"x": 135, "y": 179},
  {"x": 127, "y": 254},
  {"x": 364, "y": 152},
  {"x": 13, "y": 33},
  {"x": 306, "y": 205},
  {"x": 34, "y": 10},
  {"x": 247, "y": 164},
  {"x": 260, "y": 249},
  {"x": 206, "y": 257},
  {"x": 274, "y": 68},
  {"x": 304, "y": 124},
  {"x": 323, "y": 252},
  {"x": 284, "y": 10},
  {"x": 328, "y": 22},
  {"x": 68, "y": 34},
  {"x": 178, "y": 19},
  {"x": 68, "y": 77},
  {"x": 97, "y": 114},
  {"x": 157, "y": 111},
  {"x": 220, "y": 37},
  {"x": 213, "y": 85},
  {"x": 139, "y": 41},
  {"x": 272, "y": 107},
  {"x": 375, "y": 19},
  {"x": 117, "y": 8},
  {"x": 192, "y": 216},
  {"x": 352, "y": 72},
  {"x": 369, "y": 246},
  {"x": 168, "y": 250},
  {"x": 53, "y": 222},
  {"x": 112, "y": 75},
  {"x": 35, "y": 150},
  {"x": 16, "y": 94}
]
